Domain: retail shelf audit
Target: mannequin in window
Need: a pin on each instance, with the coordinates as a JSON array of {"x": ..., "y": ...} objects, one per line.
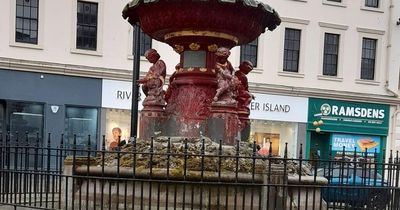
[{"x": 116, "y": 139}]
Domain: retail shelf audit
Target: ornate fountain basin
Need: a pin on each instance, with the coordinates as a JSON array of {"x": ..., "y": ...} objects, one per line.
[{"x": 226, "y": 22}]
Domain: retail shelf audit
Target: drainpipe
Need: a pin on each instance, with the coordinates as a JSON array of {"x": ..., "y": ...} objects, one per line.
[{"x": 388, "y": 50}]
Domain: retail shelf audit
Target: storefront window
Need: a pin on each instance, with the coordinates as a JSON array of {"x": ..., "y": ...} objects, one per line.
[
  {"x": 25, "y": 123},
  {"x": 118, "y": 123},
  {"x": 81, "y": 122},
  {"x": 275, "y": 134},
  {"x": 26, "y": 118}
]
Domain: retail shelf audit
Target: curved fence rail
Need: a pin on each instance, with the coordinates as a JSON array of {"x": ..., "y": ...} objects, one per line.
[{"x": 177, "y": 173}]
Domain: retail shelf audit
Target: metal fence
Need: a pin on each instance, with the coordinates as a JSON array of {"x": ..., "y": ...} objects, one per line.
[{"x": 178, "y": 173}]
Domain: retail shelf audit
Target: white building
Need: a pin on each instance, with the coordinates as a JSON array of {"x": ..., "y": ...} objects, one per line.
[{"x": 52, "y": 81}]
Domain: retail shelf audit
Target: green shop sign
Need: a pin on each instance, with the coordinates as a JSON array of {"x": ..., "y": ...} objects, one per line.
[{"x": 348, "y": 117}]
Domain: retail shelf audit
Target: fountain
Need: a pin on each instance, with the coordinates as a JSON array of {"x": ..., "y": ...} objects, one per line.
[{"x": 202, "y": 99}]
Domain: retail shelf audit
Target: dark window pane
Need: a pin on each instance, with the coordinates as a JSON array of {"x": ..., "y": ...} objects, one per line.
[
  {"x": 372, "y": 3},
  {"x": 336, "y": 0},
  {"x": 144, "y": 43},
  {"x": 81, "y": 122},
  {"x": 368, "y": 59},
  {"x": 34, "y": 3},
  {"x": 249, "y": 52},
  {"x": 26, "y": 21},
  {"x": 331, "y": 54},
  {"x": 291, "y": 50},
  {"x": 86, "y": 36}
]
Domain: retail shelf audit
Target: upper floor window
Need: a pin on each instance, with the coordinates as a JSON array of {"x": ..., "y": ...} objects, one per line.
[
  {"x": 291, "y": 50},
  {"x": 331, "y": 54},
  {"x": 145, "y": 42},
  {"x": 372, "y": 3},
  {"x": 26, "y": 27},
  {"x": 335, "y": 0},
  {"x": 86, "y": 35},
  {"x": 368, "y": 58},
  {"x": 249, "y": 52}
]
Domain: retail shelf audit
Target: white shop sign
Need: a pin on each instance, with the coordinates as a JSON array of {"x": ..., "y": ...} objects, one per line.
[
  {"x": 118, "y": 95},
  {"x": 279, "y": 108}
]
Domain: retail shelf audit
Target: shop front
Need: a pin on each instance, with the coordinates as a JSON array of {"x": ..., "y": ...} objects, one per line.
[
  {"x": 35, "y": 104},
  {"x": 116, "y": 110},
  {"x": 336, "y": 127},
  {"x": 277, "y": 120}
]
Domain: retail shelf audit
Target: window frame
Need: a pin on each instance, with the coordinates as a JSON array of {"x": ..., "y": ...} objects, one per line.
[
  {"x": 292, "y": 50},
  {"x": 370, "y": 6},
  {"x": 250, "y": 46},
  {"x": 379, "y": 61},
  {"x": 40, "y": 27},
  {"x": 100, "y": 27},
  {"x": 368, "y": 58},
  {"x": 333, "y": 55},
  {"x": 341, "y": 31},
  {"x": 131, "y": 44},
  {"x": 379, "y": 9},
  {"x": 29, "y": 19},
  {"x": 144, "y": 40},
  {"x": 342, "y": 3},
  {"x": 81, "y": 44},
  {"x": 95, "y": 138},
  {"x": 299, "y": 24}
]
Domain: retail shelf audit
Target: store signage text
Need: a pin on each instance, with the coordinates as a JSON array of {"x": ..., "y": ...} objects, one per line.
[
  {"x": 357, "y": 143},
  {"x": 270, "y": 107},
  {"x": 349, "y": 111},
  {"x": 118, "y": 95},
  {"x": 279, "y": 108},
  {"x": 349, "y": 117},
  {"x": 124, "y": 95}
]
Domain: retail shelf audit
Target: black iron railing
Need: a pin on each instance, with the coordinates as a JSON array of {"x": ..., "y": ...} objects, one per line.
[{"x": 178, "y": 173}]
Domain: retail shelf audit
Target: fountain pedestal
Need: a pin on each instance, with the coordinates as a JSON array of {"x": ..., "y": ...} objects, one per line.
[
  {"x": 223, "y": 124},
  {"x": 152, "y": 120},
  {"x": 244, "y": 124}
]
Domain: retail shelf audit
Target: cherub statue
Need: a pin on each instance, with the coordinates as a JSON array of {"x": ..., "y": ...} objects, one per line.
[
  {"x": 154, "y": 80},
  {"x": 243, "y": 97},
  {"x": 225, "y": 78}
]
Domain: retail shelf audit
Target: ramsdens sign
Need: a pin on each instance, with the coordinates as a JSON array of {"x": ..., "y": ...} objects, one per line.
[
  {"x": 351, "y": 117},
  {"x": 327, "y": 109}
]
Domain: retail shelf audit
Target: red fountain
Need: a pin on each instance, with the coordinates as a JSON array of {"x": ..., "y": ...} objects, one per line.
[{"x": 204, "y": 96}]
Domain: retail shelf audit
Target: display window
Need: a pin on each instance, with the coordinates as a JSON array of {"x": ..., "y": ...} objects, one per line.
[
  {"x": 82, "y": 122},
  {"x": 117, "y": 127},
  {"x": 26, "y": 121},
  {"x": 275, "y": 134}
]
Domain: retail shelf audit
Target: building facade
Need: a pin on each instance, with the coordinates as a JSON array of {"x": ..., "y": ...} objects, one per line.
[{"x": 334, "y": 50}]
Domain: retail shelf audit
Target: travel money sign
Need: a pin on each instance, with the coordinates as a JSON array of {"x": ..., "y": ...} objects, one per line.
[
  {"x": 357, "y": 143},
  {"x": 349, "y": 117}
]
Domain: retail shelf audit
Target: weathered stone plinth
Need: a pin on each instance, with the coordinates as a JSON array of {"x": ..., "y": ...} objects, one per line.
[
  {"x": 223, "y": 124},
  {"x": 152, "y": 119}
]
